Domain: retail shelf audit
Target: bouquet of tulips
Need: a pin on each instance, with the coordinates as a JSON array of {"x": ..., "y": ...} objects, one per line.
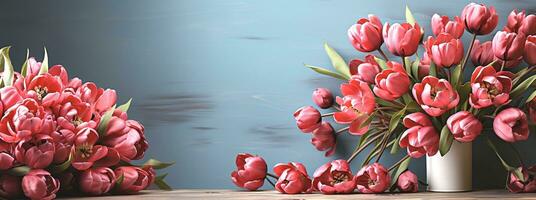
[
  {"x": 61, "y": 135},
  {"x": 418, "y": 102}
]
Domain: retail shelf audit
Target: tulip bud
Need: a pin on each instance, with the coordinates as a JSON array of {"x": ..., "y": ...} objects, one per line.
[
  {"x": 441, "y": 24},
  {"x": 366, "y": 34},
  {"x": 39, "y": 184},
  {"x": 482, "y": 54},
  {"x": 407, "y": 182},
  {"x": 392, "y": 83},
  {"x": 444, "y": 50},
  {"x": 514, "y": 184},
  {"x": 134, "y": 179},
  {"x": 511, "y": 125},
  {"x": 324, "y": 139},
  {"x": 373, "y": 178},
  {"x": 530, "y": 50},
  {"x": 366, "y": 70},
  {"x": 479, "y": 19},
  {"x": 402, "y": 39},
  {"x": 307, "y": 119},
  {"x": 96, "y": 181},
  {"x": 323, "y": 98},
  {"x": 250, "y": 173},
  {"x": 508, "y": 46},
  {"x": 464, "y": 126}
]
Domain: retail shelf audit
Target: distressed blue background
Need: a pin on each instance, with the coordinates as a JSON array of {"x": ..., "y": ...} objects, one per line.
[{"x": 211, "y": 79}]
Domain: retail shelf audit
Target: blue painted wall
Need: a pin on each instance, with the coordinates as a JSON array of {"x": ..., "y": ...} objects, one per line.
[{"x": 211, "y": 79}]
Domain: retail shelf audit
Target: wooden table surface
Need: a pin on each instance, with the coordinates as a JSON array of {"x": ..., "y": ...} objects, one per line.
[{"x": 271, "y": 194}]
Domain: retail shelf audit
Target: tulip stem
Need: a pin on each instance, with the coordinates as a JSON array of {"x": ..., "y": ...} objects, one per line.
[
  {"x": 328, "y": 114},
  {"x": 503, "y": 64},
  {"x": 273, "y": 176},
  {"x": 398, "y": 163},
  {"x": 467, "y": 56},
  {"x": 518, "y": 155},
  {"x": 376, "y": 137},
  {"x": 342, "y": 130},
  {"x": 336, "y": 107},
  {"x": 384, "y": 144},
  {"x": 383, "y": 54},
  {"x": 269, "y": 181}
]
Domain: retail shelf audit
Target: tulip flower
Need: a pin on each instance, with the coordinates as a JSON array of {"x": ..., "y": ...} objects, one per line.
[
  {"x": 334, "y": 177},
  {"x": 482, "y": 54},
  {"x": 514, "y": 184},
  {"x": 36, "y": 152},
  {"x": 508, "y": 46},
  {"x": 402, "y": 39},
  {"x": 436, "y": 96},
  {"x": 528, "y": 26},
  {"x": 445, "y": 50},
  {"x": 127, "y": 138},
  {"x": 407, "y": 182},
  {"x": 421, "y": 137},
  {"x": 9, "y": 96},
  {"x": 307, "y": 118},
  {"x": 87, "y": 154},
  {"x": 324, "y": 139},
  {"x": 22, "y": 120},
  {"x": 479, "y": 19},
  {"x": 511, "y": 125},
  {"x": 6, "y": 161},
  {"x": 373, "y": 178},
  {"x": 134, "y": 179},
  {"x": 10, "y": 186},
  {"x": 424, "y": 65},
  {"x": 365, "y": 70},
  {"x": 518, "y": 22},
  {"x": 105, "y": 101},
  {"x": 96, "y": 181},
  {"x": 323, "y": 98},
  {"x": 441, "y": 24},
  {"x": 39, "y": 184},
  {"x": 356, "y": 106},
  {"x": 293, "y": 178},
  {"x": 489, "y": 87},
  {"x": 530, "y": 50},
  {"x": 392, "y": 83},
  {"x": 464, "y": 126},
  {"x": 250, "y": 173},
  {"x": 366, "y": 34}
]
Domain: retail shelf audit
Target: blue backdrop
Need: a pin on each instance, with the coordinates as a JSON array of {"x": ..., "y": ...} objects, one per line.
[{"x": 211, "y": 79}]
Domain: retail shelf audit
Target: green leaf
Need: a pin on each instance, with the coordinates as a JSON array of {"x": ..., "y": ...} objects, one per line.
[
  {"x": 396, "y": 146},
  {"x": 445, "y": 140},
  {"x": 105, "y": 120},
  {"x": 44, "y": 64},
  {"x": 522, "y": 87},
  {"x": 409, "y": 16},
  {"x": 519, "y": 173},
  {"x": 407, "y": 67},
  {"x": 161, "y": 184},
  {"x": 385, "y": 103},
  {"x": 19, "y": 171},
  {"x": 506, "y": 166},
  {"x": 456, "y": 73},
  {"x": 367, "y": 121},
  {"x": 381, "y": 62},
  {"x": 327, "y": 72},
  {"x": 56, "y": 169},
  {"x": 395, "y": 119},
  {"x": 156, "y": 164},
  {"x": 125, "y": 106},
  {"x": 363, "y": 139},
  {"x": 120, "y": 180},
  {"x": 9, "y": 73},
  {"x": 433, "y": 69},
  {"x": 532, "y": 96},
  {"x": 337, "y": 61},
  {"x": 401, "y": 169},
  {"x": 2, "y": 50},
  {"x": 415, "y": 68},
  {"x": 24, "y": 69}
]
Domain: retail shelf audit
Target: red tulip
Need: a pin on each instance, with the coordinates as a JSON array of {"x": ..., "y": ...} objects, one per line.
[
  {"x": 105, "y": 101},
  {"x": 36, "y": 152},
  {"x": 508, "y": 46},
  {"x": 489, "y": 87},
  {"x": 324, "y": 139},
  {"x": 323, "y": 98},
  {"x": 402, "y": 39},
  {"x": 482, "y": 54},
  {"x": 421, "y": 137},
  {"x": 366, "y": 34},
  {"x": 407, "y": 182},
  {"x": 424, "y": 65},
  {"x": 514, "y": 184},
  {"x": 10, "y": 186},
  {"x": 61, "y": 73},
  {"x": 436, "y": 96},
  {"x": 334, "y": 177},
  {"x": 364, "y": 70},
  {"x": 518, "y": 22},
  {"x": 22, "y": 120},
  {"x": 441, "y": 24},
  {"x": 45, "y": 89},
  {"x": 392, "y": 83},
  {"x": 530, "y": 50},
  {"x": 464, "y": 126},
  {"x": 39, "y": 184},
  {"x": 6, "y": 161},
  {"x": 127, "y": 137},
  {"x": 307, "y": 118},
  {"x": 445, "y": 50},
  {"x": 9, "y": 96},
  {"x": 479, "y": 19},
  {"x": 96, "y": 181},
  {"x": 528, "y": 27},
  {"x": 293, "y": 178},
  {"x": 356, "y": 105},
  {"x": 250, "y": 173},
  {"x": 134, "y": 179},
  {"x": 86, "y": 154},
  {"x": 373, "y": 178},
  {"x": 511, "y": 125}
]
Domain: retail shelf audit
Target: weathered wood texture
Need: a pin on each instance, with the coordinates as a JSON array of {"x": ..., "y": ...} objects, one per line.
[{"x": 271, "y": 194}]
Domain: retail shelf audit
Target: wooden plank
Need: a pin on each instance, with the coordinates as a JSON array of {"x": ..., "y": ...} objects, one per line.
[{"x": 271, "y": 194}]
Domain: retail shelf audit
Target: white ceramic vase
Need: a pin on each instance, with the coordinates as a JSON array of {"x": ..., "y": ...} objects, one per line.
[{"x": 452, "y": 172}]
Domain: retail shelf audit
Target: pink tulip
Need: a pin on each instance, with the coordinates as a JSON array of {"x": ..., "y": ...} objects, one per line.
[
  {"x": 6, "y": 161},
  {"x": 518, "y": 22},
  {"x": 324, "y": 139},
  {"x": 105, "y": 101},
  {"x": 373, "y": 178},
  {"x": 134, "y": 179},
  {"x": 10, "y": 186},
  {"x": 441, "y": 24},
  {"x": 88, "y": 92},
  {"x": 445, "y": 50},
  {"x": 45, "y": 89},
  {"x": 482, "y": 54},
  {"x": 407, "y": 182},
  {"x": 392, "y": 83},
  {"x": 334, "y": 177},
  {"x": 323, "y": 98},
  {"x": 36, "y": 152},
  {"x": 86, "y": 154},
  {"x": 356, "y": 106},
  {"x": 39, "y": 184},
  {"x": 366, "y": 34},
  {"x": 96, "y": 181},
  {"x": 464, "y": 126},
  {"x": 514, "y": 184},
  {"x": 364, "y": 70},
  {"x": 421, "y": 137},
  {"x": 127, "y": 137},
  {"x": 307, "y": 118},
  {"x": 22, "y": 120},
  {"x": 511, "y": 125},
  {"x": 528, "y": 27},
  {"x": 424, "y": 65},
  {"x": 61, "y": 73},
  {"x": 73, "y": 114},
  {"x": 489, "y": 87},
  {"x": 436, "y": 96},
  {"x": 530, "y": 50},
  {"x": 293, "y": 178},
  {"x": 402, "y": 39},
  {"x": 250, "y": 173},
  {"x": 508, "y": 46},
  {"x": 9, "y": 96},
  {"x": 479, "y": 19},
  {"x": 150, "y": 172}
]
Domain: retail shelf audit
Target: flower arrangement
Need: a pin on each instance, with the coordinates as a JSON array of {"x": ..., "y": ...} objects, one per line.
[
  {"x": 418, "y": 102},
  {"x": 61, "y": 135}
]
